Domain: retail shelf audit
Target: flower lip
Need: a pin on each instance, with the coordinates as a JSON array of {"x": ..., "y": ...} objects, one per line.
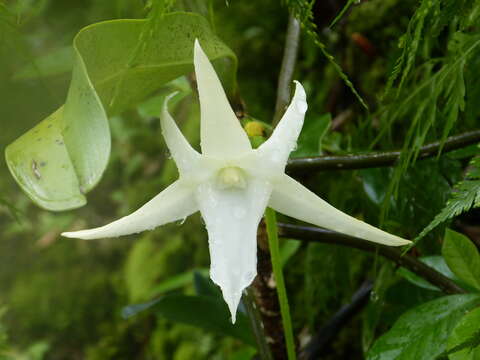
[{"x": 231, "y": 177}]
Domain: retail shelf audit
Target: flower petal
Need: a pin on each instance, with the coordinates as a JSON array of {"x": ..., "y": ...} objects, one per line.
[
  {"x": 221, "y": 134},
  {"x": 182, "y": 152},
  {"x": 284, "y": 138},
  {"x": 174, "y": 203},
  {"x": 232, "y": 216},
  {"x": 293, "y": 199}
]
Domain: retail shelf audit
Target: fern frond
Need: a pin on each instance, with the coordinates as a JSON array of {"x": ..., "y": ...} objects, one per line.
[
  {"x": 342, "y": 12},
  {"x": 465, "y": 196},
  {"x": 445, "y": 90},
  {"x": 410, "y": 43},
  {"x": 302, "y": 10}
]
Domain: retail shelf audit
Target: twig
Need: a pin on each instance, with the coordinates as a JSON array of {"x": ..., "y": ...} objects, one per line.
[
  {"x": 378, "y": 159},
  {"x": 327, "y": 333},
  {"x": 265, "y": 292},
  {"x": 256, "y": 324},
  {"x": 288, "y": 66},
  {"x": 314, "y": 234}
]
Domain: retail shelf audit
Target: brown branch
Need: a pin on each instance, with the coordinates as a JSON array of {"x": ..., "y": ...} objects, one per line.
[
  {"x": 288, "y": 66},
  {"x": 314, "y": 234},
  {"x": 379, "y": 159},
  {"x": 266, "y": 297},
  {"x": 256, "y": 323},
  {"x": 323, "y": 338}
]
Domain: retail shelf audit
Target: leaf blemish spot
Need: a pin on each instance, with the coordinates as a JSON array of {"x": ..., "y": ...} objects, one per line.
[{"x": 35, "y": 170}]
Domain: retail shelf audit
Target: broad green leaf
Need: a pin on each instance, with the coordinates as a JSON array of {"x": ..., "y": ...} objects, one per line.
[
  {"x": 462, "y": 257},
  {"x": 422, "y": 332},
  {"x": 40, "y": 163},
  {"x": 116, "y": 65},
  {"x": 204, "y": 312},
  {"x": 464, "y": 342},
  {"x": 436, "y": 262}
]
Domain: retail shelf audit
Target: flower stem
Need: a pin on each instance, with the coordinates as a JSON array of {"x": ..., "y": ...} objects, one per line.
[{"x": 272, "y": 232}]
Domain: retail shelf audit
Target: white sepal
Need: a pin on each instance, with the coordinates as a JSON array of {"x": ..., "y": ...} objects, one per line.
[
  {"x": 291, "y": 198},
  {"x": 174, "y": 203},
  {"x": 221, "y": 134},
  {"x": 186, "y": 158}
]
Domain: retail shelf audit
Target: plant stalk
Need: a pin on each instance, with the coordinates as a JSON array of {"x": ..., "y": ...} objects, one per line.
[
  {"x": 272, "y": 233},
  {"x": 379, "y": 159}
]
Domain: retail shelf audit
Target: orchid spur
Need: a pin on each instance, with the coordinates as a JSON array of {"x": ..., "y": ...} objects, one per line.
[{"x": 231, "y": 185}]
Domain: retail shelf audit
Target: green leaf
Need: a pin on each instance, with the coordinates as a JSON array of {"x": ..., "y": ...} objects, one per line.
[
  {"x": 176, "y": 282},
  {"x": 462, "y": 257},
  {"x": 204, "y": 312},
  {"x": 204, "y": 286},
  {"x": 309, "y": 142},
  {"x": 464, "y": 342},
  {"x": 422, "y": 332},
  {"x": 62, "y": 158}
]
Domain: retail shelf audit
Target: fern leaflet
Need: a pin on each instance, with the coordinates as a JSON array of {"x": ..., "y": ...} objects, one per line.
[{"x": 465, "y": 196}]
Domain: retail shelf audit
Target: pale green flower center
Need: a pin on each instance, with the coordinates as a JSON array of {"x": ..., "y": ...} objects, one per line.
[{"x": 231, "y": 177}]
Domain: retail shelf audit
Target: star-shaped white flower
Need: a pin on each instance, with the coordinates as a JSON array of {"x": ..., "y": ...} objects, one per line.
[{"x": 231, "y": 184}]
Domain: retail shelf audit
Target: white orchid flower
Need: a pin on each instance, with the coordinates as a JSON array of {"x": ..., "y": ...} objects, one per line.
[{"x": 231, "y": 184}]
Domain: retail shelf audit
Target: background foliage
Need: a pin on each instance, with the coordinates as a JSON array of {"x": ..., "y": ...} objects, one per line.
[{"x": 414, "y": 64}]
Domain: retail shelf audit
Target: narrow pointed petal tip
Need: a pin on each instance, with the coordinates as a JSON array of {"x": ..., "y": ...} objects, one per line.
[
  {"x": 174, "y": 203},
  {"x": 283, "y": 140},
  {"x": 82, "y": 234},
  {"x": 398, "y": 241},
  {"x": 221, "y": 134},
  {"x": 232, "y": 301},
  {"x": 299, "y": 90},
  {"x": 196, "y": 47}
]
